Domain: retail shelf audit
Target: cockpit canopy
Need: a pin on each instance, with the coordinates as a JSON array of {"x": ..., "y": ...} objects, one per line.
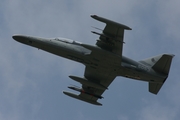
[{"x": 67, "y": 40}]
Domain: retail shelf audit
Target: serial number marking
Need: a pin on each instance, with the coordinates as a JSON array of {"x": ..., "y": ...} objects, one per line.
[{"x": 142, "y": 67}]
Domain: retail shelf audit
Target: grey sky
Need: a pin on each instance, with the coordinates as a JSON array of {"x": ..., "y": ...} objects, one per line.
[{"x": 31, "y": 80}]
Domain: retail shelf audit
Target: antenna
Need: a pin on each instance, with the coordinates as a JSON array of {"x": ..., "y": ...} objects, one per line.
[{"x": 96, "y": 28}]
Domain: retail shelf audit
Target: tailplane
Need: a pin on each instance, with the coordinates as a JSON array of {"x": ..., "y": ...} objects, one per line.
[{"x": 161, "y": 64}]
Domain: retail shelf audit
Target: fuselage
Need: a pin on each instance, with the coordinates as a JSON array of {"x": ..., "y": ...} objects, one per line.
[{"x": 93, "y": 56}]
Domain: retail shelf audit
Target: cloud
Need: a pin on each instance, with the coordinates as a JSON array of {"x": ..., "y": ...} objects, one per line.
[
  {"x": 31, "y": 81},
  {"x": 156, "y": 111}
]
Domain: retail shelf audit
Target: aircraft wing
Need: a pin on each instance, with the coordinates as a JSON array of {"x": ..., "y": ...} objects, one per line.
[
  {"x": 97, "y": 76},
  {"x": 111, "y": 38},
  {"x": 100, "y": 76},
  {"x": 94, "y": 84}
]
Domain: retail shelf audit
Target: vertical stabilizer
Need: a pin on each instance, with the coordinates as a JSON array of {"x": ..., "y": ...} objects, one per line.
[
  {"x": 160, "y": 63},
  {"x": 163, "y": 64}
]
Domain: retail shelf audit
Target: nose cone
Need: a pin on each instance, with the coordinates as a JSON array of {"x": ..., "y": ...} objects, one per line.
[
  {"x": 19, "y": 38},
  {"x": 29, "y": 40}
]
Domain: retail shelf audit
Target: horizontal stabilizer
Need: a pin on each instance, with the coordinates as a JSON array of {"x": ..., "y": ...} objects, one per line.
[
  {"x": 155, "y": 87},
  {"x": 81, "y": 98},
  {"x": 88, "y": 83},
  {"x": 110, "y": 22}
]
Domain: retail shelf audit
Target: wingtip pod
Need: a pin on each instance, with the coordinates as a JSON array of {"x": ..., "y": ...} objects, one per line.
[
  {"x": 110, "y": 22},
  {"x": 81, "y": 98}
]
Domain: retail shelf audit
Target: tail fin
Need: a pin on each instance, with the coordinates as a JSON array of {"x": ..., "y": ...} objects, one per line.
[{"x": 161, "y": 64}]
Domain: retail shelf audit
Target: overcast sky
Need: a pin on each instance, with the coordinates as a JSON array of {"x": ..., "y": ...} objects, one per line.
[{"x": 32, "y": 81}]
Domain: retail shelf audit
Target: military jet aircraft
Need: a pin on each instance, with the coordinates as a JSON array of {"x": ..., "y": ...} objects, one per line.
[{"x": 103, "y": 61}]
